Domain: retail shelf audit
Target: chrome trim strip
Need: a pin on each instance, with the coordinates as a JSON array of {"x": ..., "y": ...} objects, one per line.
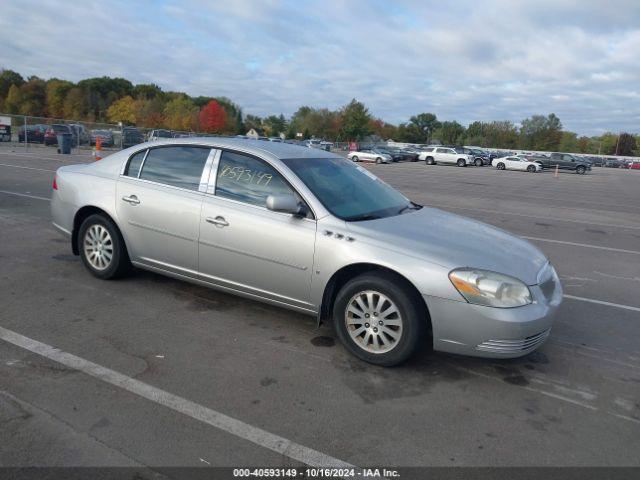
[
  {"x": 211, "y": 184},
  {"x": 241, "y": 252},
  {"x": 146, "y": 154},
  {"x": 206, "y": 172},
  {"x": 159, "y": 230}
]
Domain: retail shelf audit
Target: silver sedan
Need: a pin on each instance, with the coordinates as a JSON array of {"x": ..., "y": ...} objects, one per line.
[{"x": 310, "y": 231}]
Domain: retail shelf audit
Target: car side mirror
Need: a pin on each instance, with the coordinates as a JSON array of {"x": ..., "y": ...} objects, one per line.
[{"x": 285, "y": 204}]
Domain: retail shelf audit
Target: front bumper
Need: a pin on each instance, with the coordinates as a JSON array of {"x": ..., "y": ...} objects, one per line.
[{"x": 480, "y": 331}]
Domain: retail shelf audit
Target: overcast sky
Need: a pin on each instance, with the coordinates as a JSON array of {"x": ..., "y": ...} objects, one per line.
[{"x": 463, "y": 60}]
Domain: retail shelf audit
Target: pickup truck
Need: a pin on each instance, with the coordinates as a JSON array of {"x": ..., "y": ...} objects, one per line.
[{"x": 564, "y": 161}]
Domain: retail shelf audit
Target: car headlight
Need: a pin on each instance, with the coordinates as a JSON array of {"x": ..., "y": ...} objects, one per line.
[{"x": 492, "y": 289}]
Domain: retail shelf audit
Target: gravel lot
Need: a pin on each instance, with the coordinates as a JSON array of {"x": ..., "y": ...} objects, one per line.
[{"x": 575, "y": 402}]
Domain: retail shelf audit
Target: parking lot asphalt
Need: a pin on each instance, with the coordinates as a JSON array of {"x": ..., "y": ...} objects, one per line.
[{"x": 255, "y": 368}]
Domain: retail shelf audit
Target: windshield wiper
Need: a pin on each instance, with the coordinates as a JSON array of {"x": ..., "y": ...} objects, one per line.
[
  {"x": 365, "y": 216},
  {"x": 410, "y": 206}
]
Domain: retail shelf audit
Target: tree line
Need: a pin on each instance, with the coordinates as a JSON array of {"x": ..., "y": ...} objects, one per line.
[{"x": 105, "y": 99}]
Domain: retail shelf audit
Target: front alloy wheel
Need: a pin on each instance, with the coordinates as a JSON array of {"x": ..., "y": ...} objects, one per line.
[
  {"x": 380, "y": 318},
  {"x": 373, "y": 321}
]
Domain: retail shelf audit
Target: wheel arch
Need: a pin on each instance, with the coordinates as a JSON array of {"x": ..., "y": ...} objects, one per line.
[
  {"x": 344, "y": 274},
  {"x": 80, "y": 216}
]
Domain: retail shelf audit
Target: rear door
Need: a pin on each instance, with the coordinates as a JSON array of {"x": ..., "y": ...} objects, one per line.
[{"x": 158, "y": 201}]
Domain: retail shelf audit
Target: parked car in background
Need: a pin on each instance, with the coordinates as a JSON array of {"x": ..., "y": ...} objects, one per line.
[
  {"x": 370, "y": 155},
  {"x": 480, "y": 158},
  {"x": 131, "y": 136},
  {"x": 159, "y": 133},
  {"x": 447, "y": 155},
  {"x": 612, "y": 163},
  {"x": 634, "y": 165},
  {"x": 563, "y": 161},
  {"x": 51, "y": 134},
  {"x": 276, "y": 139},
  {"x": 5, "y": 129},
  {"x": 80, "y": 134},
  {"x": 414, "y": 152},
  {"x": 35, "y": 133},
  {"x": 105, "y": 136},
  {"x": 517, "y": 163},
  {"x": 400, "y": 154}
]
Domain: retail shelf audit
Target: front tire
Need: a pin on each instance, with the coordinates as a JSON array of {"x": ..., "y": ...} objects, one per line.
[
  {"x": 478, "y": 162},
  {"x": 531, "y": 169},
  {"x": 379, "y": 319},
  {"x": 378, "y": 160},
  {"x": 500, "y": 166},
  {"x": 581, "y": 170},
  {"x": 461, "y": 162},
  {"x": 354, "y": 158},
  {"x": 102, "y": 248},
  {"x": 430, "y": 161}
]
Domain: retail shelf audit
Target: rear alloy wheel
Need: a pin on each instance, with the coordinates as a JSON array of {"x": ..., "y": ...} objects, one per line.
[
  {"x": 378, "y": 320},
  {"x": 461, "y": 163},
  {"x": 500, "y": 166},
  {"x": 430, "y": 161},
  {"x": 102, "y": 248},
  {"x": 354, "y": 158},
  {"x": 531, "y": 169},
  {"x": 580, "y": 170},
  {"x": 477, "y": 162}
]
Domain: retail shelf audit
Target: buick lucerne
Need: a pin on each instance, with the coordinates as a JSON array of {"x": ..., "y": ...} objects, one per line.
[{"x": 311, "y": 231}]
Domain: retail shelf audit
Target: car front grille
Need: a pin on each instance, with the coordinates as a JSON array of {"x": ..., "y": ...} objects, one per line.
[{"x": 514, "y": 346}]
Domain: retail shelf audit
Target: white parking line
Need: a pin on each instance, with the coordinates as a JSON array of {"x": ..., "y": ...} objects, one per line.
[
  {"x": 610, "y": 249},
  {"x": 191, "y": 409},
  {"x": 602, "y": 302},
  {"x": 26, "y": 168},
  {"x": 26, "y": 195}
]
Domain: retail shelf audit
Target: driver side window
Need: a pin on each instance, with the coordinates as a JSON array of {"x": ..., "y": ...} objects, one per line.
[{"x": 248, "y": 180}]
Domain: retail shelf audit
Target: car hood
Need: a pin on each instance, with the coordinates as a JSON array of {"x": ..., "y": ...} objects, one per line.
[{"x": 454, "y": 241}]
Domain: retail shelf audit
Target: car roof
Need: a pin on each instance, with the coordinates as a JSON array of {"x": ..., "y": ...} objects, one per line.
[{"x": 279, "y": 150}]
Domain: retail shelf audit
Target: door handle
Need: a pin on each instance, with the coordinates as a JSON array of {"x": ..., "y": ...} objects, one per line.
[
  {"x": 132, "y": 200},
  {"x": 218, "y": 221}
]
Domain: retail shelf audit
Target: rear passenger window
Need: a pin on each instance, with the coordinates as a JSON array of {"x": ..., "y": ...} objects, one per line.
[
  {"x": 248, "y": 179},
  {"x": 133, "y": 167},
  {"x": 176, "y": 166}
]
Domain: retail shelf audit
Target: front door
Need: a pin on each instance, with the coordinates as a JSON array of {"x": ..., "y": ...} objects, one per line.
[
  {"x": 159, "y": 203},
  {"x": 246, "y": 247}
]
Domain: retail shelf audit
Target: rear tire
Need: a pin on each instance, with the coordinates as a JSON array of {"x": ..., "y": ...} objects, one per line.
[
  {"x": 461, "y": 162},
  {"x": 102, "y": 248},
  {"x": 354, "y": 158},
  {"x": 378, "y": 160},
  {"x": 380, "y": 338},
  {"x": 478, "y": 162},
  {"x": 430, "y": 161}
]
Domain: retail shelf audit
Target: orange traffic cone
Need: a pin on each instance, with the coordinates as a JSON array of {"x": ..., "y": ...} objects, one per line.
[{"x": 98, "y": 154}]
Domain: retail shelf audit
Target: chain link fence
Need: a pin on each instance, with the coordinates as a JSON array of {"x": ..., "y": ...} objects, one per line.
[{"x": 20, "y": 131}]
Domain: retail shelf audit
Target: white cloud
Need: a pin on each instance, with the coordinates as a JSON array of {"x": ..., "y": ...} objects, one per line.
[{"x": 468, "y": 61}]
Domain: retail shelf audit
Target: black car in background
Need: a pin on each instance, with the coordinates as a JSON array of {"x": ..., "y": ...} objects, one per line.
[
  {"x": 34, "y": 133},
  {"x": 563, "y": 161},
  {"x": 51, "y": 134},
  {"x": 131, "y": 136}
]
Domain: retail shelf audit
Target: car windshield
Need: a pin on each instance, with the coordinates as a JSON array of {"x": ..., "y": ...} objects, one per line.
[{"x": 349, "y": 191}]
